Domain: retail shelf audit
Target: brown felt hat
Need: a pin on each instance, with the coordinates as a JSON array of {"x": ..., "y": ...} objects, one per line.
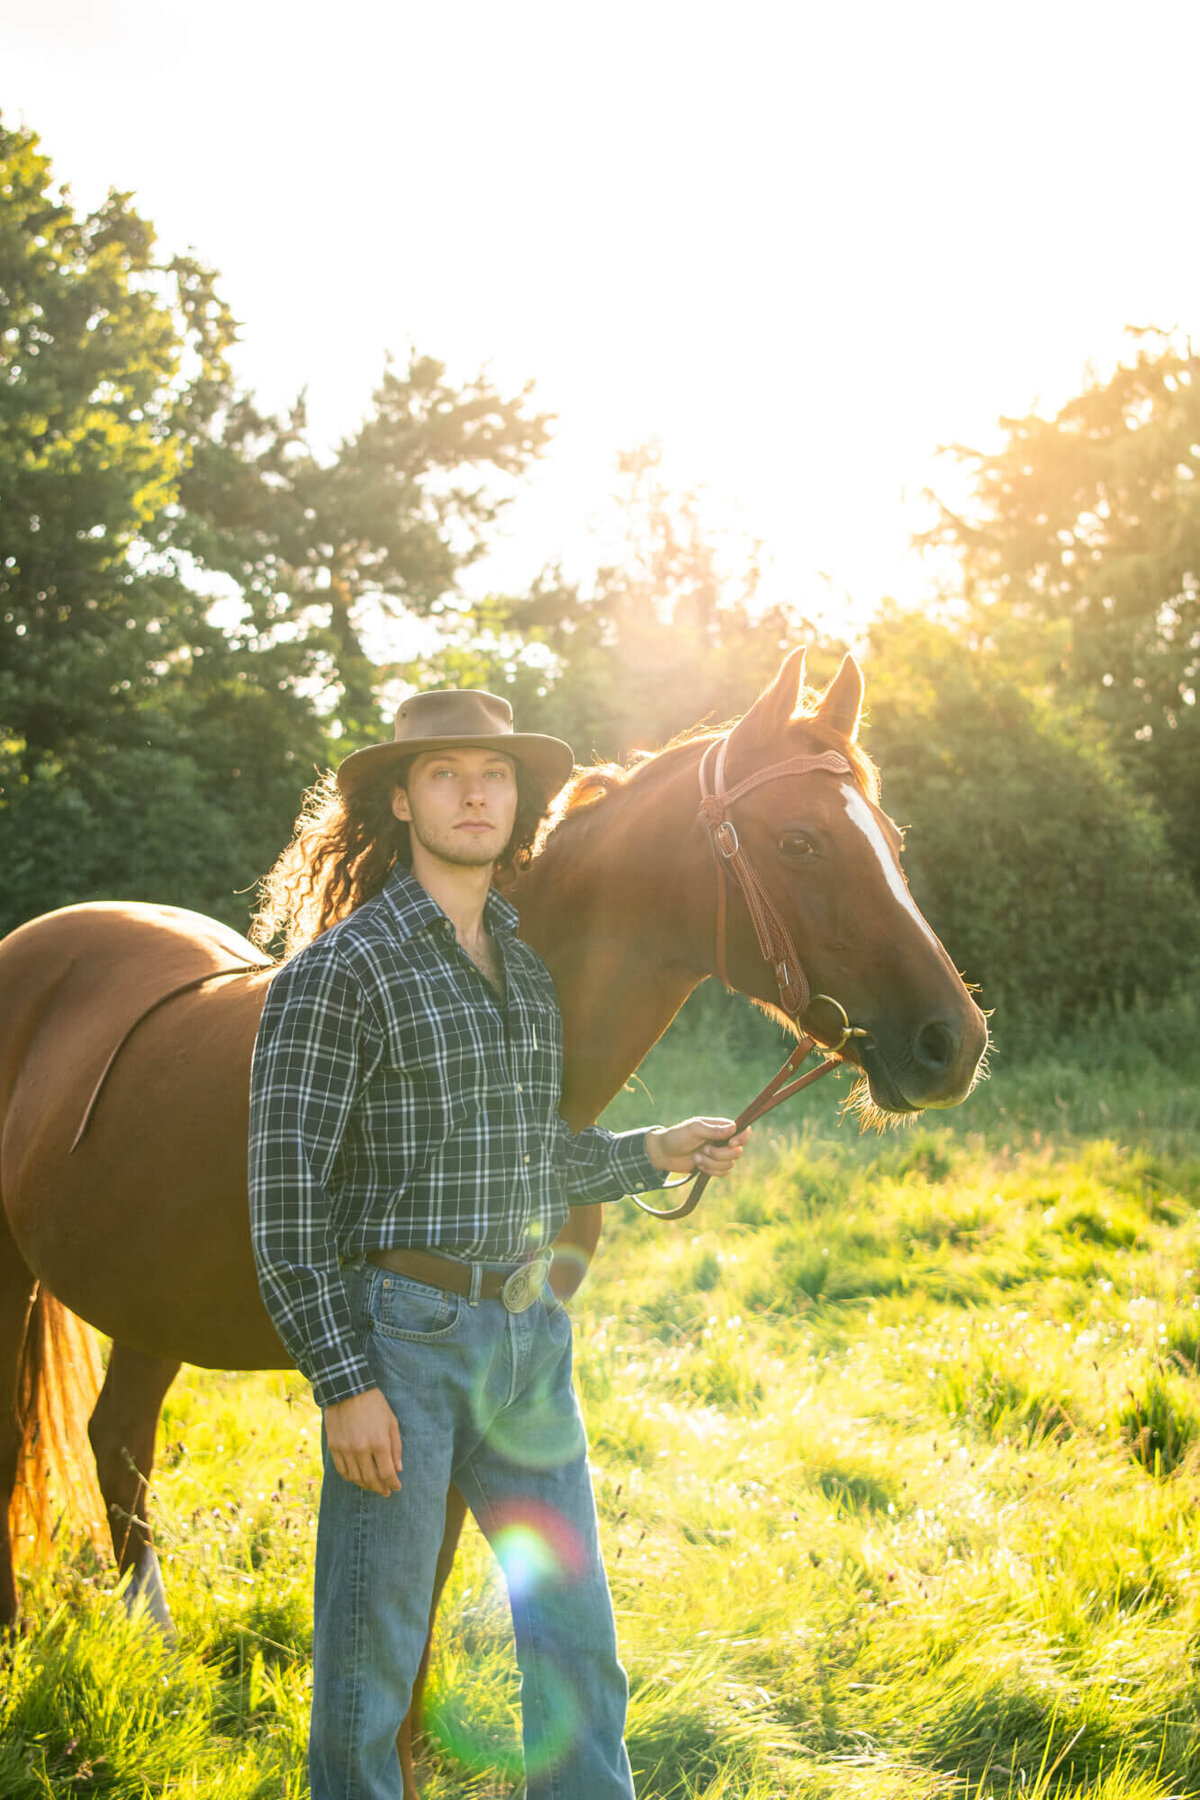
[{"x": 459, "y": 718}]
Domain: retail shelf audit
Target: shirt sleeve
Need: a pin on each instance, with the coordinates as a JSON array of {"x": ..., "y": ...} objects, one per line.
[
  {"x": 605, "y": 1165},
  {"x": 311, "y": 1058}
]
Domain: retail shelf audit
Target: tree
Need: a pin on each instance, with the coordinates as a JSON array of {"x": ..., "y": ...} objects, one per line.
[
  {"x": 146, "y": 749},
  {"x": 1082, "y": 554},
  {"x": 88, "y": 457},
  {"x": 1048, "y": 877},
  {"x": 142, "y": 750},
  {"x": 384, "y": 529}
]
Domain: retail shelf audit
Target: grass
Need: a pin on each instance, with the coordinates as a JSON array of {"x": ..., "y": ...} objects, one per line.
[{"x": 897, "y": 1451}]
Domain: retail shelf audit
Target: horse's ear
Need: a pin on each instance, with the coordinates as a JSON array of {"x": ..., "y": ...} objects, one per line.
[
  {"x": 841, "y": 703},
  {"x": 768, "y": 718}
]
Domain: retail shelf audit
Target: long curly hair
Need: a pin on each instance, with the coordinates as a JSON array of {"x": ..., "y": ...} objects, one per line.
[{"x": 344, "y": 847}]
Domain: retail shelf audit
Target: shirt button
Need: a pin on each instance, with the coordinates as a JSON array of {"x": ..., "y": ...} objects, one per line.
[
  {"x": 524, "y": 1159},
  {"x": 520, "y": 1089}
]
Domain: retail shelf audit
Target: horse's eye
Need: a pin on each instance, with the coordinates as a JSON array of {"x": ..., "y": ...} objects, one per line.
[{"x": 796, "y": 844}]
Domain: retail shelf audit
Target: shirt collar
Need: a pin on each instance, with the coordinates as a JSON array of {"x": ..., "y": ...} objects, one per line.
[{"x": 413, "y": 909}]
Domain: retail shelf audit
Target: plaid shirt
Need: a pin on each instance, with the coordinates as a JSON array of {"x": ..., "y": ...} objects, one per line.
[{"x": 397, "y": 1100}]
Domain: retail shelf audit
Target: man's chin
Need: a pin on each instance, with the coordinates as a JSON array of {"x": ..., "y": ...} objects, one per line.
[
  {"x": 475, "y": 853},
  {"x": 471, "y": 859}
]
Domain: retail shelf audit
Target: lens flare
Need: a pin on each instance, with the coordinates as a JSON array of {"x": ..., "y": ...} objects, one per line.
[
  {"x": 536, "y": 1547},
  {"x": 553, "y": 1726},
  {"x": 553, "y": 1721},
  {"x": 544, "y": 1432},
  {"x": 534, "y": 1544}
]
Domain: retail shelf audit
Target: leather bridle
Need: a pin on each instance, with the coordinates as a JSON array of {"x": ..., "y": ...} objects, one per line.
[
  {"x": 716, "y": 804},
  {"x": 774, "y": 939}
]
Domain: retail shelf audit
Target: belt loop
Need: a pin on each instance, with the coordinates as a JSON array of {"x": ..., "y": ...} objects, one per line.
[{"x": 476, "y": 1283}]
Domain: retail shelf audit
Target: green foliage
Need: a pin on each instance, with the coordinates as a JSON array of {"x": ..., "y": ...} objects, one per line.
[
  {"x": 993, "y": 1395},
  {"x": 1159, "y": 1419},
  {"x": 1050, "y": 880},
  {"x": 1082, "y": 555},
  {"x": 152, "y": 747},
  {"x": 894, "y": 1541},
  {"x": 326, "y": 554},
  {"x": 88, "y": 459}
]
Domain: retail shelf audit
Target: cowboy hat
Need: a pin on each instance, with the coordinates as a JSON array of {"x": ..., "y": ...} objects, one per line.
[{"x": 458, "y": 718}]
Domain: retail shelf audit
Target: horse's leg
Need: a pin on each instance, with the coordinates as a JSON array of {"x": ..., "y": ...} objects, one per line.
[
  {"x": 413, "y": 1728},
  {"x": 122, "y": 1429},
  {"x": 16, "y": 1290}
]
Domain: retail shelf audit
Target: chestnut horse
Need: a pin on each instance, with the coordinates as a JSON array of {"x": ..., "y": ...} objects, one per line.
[{"x": 137, "y": 1024}]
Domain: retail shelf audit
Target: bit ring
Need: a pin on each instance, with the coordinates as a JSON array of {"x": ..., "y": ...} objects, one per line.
[{"x": 848, "y": 1030}]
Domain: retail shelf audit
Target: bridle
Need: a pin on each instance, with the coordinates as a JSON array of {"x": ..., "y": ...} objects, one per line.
[
  {"x": 774, "y": 938},
  {"x": 770, "y": 928}
]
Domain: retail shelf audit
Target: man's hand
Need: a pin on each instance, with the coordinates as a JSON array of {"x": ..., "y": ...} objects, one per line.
[
  {"x": 363, "y": 1435},
  {"x": 686, "y": 1148}
]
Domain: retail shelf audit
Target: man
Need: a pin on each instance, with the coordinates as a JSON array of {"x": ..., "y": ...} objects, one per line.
[{"x": 408, "y": 1173}]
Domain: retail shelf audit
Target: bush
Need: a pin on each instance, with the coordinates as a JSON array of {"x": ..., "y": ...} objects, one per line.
[{"x": 1051, "y": 883}]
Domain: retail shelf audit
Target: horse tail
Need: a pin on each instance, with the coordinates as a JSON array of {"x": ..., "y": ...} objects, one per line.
[{"x": 58, "y": 1379}]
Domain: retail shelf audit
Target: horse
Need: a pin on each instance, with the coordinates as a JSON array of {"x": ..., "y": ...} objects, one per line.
[{"x": 127, "y": 1033}]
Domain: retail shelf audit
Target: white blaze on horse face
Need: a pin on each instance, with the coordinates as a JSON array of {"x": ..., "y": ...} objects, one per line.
[{"x": 859, "y": 813}]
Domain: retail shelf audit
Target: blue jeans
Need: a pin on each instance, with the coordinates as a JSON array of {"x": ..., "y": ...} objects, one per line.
[{"x": 484, "y": 1400}]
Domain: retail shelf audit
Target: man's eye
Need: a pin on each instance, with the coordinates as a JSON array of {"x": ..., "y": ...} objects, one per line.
[{"x": 796, "y": 845}]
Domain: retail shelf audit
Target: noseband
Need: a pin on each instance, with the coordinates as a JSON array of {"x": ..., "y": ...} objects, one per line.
[{"x": 770, "y": 928}]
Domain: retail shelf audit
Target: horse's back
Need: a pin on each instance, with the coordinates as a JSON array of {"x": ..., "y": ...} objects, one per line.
[
  {"x": 146, "y": 943},
  {"x": 107, "y": 1017},
  {"x": 73, "y": 982}
]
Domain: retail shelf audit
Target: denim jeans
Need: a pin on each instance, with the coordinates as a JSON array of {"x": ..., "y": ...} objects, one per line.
[{"x": 484, "y": 1400}]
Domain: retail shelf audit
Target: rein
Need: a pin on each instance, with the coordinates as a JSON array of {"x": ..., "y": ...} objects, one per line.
[{"x": 774, "y": 940}]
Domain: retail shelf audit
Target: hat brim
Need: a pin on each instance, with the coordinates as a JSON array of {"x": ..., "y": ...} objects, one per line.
[{"x": 547, "y": 758}]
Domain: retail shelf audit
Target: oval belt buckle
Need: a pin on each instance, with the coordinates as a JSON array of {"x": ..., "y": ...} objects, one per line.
[{"x": 526, "y": 1283}]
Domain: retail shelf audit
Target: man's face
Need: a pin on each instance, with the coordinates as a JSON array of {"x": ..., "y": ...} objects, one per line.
[{"x": 459, "y": 805}]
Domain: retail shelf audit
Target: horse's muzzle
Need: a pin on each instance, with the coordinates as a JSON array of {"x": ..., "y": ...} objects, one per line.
[{"x": 937, "y": 1067}]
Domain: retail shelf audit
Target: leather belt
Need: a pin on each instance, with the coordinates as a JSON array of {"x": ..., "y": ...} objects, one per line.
[{"x": 518, "y": 1289}]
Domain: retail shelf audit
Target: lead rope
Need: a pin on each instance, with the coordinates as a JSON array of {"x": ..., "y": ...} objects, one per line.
[{"x": 772, "y": 1095}]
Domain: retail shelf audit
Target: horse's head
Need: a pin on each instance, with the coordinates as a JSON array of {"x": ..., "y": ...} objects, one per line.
[{"x": 828, "y": 858}]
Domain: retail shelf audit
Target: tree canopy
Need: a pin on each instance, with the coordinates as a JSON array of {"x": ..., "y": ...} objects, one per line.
[
  {"x": 150, "y": 745},
  {"x": 1051, "y": 879},
  {"x": 1081, "y": 555},
  {"x": 193, "y": 599}
]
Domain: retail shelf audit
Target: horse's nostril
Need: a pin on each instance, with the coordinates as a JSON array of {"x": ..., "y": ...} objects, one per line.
[{"x": 935, "y": 1045}]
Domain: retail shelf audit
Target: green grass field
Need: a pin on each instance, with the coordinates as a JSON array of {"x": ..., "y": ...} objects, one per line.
[{"x": 897, "y": 1450}]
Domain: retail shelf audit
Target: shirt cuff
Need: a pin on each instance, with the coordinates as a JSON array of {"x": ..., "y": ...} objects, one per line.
[
  {"x": 631, "y": 1166},
  {"x": 341, "y": 1378}
]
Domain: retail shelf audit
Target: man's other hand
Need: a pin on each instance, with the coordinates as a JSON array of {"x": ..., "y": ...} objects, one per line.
[
  {"x": 363, "y": 1435},
  {"x": 694, "y": 1147}
]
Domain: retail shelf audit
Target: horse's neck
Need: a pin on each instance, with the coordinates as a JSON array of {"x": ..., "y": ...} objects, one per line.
[{"x": 611, "y": 909}]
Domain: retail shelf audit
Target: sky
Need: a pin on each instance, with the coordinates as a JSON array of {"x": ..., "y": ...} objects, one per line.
[{"x": 799, "y": 245}]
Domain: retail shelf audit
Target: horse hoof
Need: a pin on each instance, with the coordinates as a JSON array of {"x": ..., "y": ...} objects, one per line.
[{"x": 145, "y": 1598}]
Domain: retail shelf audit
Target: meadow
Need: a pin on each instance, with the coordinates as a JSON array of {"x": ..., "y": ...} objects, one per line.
[{"x": 897, "y": 1452}]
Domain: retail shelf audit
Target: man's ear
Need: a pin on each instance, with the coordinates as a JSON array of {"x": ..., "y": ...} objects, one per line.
[{"x": 400, "y": 805}]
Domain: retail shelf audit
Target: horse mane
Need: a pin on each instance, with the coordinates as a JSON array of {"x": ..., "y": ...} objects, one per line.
[{"x": 587, "y": 802}]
